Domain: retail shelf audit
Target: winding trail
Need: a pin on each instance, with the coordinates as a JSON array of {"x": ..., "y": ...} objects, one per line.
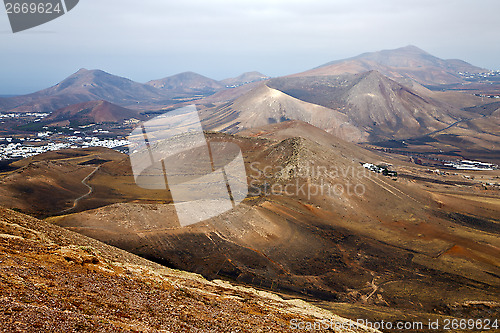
[
  {"x": 448, "y": 127},
  {"x": 455, "y": 124},
  {"x": 84, "y": 182}
]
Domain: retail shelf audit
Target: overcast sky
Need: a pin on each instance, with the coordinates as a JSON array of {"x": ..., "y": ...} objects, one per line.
[{"x": 151, "y": 39}]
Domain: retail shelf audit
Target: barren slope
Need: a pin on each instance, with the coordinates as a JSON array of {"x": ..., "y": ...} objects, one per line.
[
  {"x": 49, "y": 183},
  {"x": 394, "y": 243},
  {"x": 265, "y": 105},
  {"x": 92, "y": 112},
  {"x": 58, "y": 281},
  {"x": 360, "y": 107}
]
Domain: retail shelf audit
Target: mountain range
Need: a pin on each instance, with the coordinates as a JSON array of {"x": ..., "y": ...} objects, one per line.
[
  {"x": 90, "y": 85},
  {"x": 334, "y": 214},
  {"x": 375, "y": 97},
  {"x": 84, "y": 86},
  {"x": 377, "y": 107}
]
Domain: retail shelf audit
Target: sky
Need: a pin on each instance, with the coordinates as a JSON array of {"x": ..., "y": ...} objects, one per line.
[{"x": 151, "y": 39}]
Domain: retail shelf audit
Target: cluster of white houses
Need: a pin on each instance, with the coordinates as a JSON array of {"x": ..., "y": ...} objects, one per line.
[
  {"x": 23, "y": 115},
  {"x": 484, "y": 75},
  {"x": 21, "y": 150},
  {"x": 471, "y": 165}
]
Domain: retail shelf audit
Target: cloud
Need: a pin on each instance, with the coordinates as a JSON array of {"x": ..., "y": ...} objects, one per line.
[{"x": 151, "y": 39}]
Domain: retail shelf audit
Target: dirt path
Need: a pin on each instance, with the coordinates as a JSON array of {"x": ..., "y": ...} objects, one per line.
[
  {"x": 448, "y": 127},
  {"x": 454, "y": 124},
  {"x": 84, "y": 182}
]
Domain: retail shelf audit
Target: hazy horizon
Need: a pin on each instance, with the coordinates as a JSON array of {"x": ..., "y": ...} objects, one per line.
[{"x": 223, "y": 39}]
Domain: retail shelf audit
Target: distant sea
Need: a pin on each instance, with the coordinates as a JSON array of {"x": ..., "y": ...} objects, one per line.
[{"x": 6, "y": 96}]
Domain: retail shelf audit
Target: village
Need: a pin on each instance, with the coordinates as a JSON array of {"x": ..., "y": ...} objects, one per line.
[
  {"x": 485, "y": 76},
  {"x": 30, "y": 147},
  {"x": 29, "y": 136}
]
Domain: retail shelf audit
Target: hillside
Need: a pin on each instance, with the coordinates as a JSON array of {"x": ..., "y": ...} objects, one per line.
[
  {"x": 59, "y": 281},
  {"x": 92, "y": 112},
  {"x": 352, "y": 201},
  {"x": 50, "y": 183},
  {"x": 83, "y": 86},
  {"x": 187, "y": 82},
  {"x": 295, "y": 234},
  {"x": 244, "y": 78},
  {"x": 101, "y": 84},
  {"x": 264, "y": 105},
  {"x": 403, "y": 64},
  {"x": 476, "y": 137},
  {"x": 356, "y": 107}
]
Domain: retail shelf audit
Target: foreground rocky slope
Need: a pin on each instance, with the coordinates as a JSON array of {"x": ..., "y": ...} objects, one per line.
[
  {"x": 54, "y": 280},
  {"x": 424, "y": 243},
  {"x": 416, "y": 243}
]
